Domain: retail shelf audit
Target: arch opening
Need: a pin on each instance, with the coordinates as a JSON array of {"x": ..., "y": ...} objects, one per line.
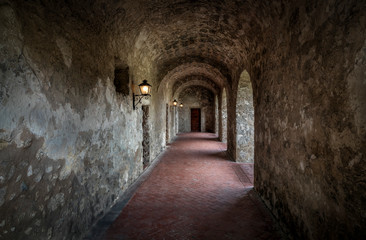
[
  {"x": 244, "y": 120},
  {"x": 196, "y": 97}
]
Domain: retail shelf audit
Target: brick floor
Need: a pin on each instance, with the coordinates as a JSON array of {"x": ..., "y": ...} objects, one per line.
[{"x": 195, "y": 193}]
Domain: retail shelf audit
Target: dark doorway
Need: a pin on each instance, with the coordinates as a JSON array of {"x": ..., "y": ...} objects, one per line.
[{"x": 196, "y": 120}]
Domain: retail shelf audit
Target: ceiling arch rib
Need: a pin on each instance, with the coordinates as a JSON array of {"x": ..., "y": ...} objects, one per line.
[
  {"x": 186, "y": 70},
  {"x": 200, "y": 83},
  {"x": 190, "y": 78}
]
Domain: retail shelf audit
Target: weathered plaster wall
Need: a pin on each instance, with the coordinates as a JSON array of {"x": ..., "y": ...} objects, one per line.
[
  {"x": 69, "y": 144},
  {"x": 244, "y": 120},
  {"x": 197, "y": 97},
  {"x": 310, "y": 135},
  {"x": 184, "y": 119}
]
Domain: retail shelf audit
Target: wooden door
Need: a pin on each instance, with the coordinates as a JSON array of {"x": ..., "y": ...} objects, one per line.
[{"x": 195, "y": 120}]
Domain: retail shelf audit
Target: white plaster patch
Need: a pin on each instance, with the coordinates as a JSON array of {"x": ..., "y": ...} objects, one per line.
[
  {"x": 108, "y": 94},
  {"x": 65, "y": 172},
  {"x": 49, "y": 169},
  {"x": 356, "y": 160},
  {"x": 18, "y": 178},
  {"x": 28, "y": 231},
  {"x": 141, "y": 39},
  {"x": 30, "y": 171},
  {"x": 56, "y": 201},
  {"x": 302, "y": 167},
  {"x": 65, "y": 50},
  {"x": 12, "y": 196},
  {"x": 125, "y": 176}
]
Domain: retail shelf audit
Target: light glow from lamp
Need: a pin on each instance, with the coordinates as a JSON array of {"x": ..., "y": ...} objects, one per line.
[{"x": 145, "y": 88}]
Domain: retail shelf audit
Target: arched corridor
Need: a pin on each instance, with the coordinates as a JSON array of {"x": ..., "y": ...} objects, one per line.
[{"x": 93, "y": 92}]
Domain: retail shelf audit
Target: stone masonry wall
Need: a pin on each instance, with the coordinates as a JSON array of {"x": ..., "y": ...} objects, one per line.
[
  {"x": 216, "y": 115},
  {"x": 224, "y": 116},
  {"x": 310, "y": 119},
  {"x": 69, "y": 144},
  {"x": 174, "y": 121},
  {"x": 245, "y": 120}
]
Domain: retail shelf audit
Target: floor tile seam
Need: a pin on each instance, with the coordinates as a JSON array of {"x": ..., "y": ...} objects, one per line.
[
  {"x": 245, "y": 172},
  {"x": 239, "y": 172}
]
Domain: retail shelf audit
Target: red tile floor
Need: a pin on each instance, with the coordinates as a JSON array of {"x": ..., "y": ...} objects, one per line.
[{"x": 195, "y": 193}]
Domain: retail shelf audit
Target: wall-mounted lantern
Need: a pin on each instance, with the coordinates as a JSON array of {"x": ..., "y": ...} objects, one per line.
[
  {"x": 175, "y": 103},
  {"x": 181, "y": 105},
  {"x": 145, "y": 90}
]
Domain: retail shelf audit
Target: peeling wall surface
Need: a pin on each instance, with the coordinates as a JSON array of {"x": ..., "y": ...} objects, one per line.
[
  {"x": 71, "y": 143},
  {"x": 196, "y": 97},
  {"x": 245, "y": 120}
]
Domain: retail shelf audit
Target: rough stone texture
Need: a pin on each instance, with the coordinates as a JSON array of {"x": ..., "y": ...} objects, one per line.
[
  {"x": 173, "y": 122},
  {"x": 310, "y": 133},
  {"x": 70, "y": 145},
  {"x": 217, "y": 115},
  {"x": 167, "y": 122},
  {"x": 245, "y": 120},
  {"x": 224, "y": 116},
  {"x": 179, "y": 86},
  {"x": 146, "y": 136},
  {"x": 197, "y": 97}
]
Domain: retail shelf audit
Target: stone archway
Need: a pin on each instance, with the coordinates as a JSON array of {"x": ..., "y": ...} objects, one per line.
[
  {"x": 197, "y": 97},
  {"x": 244, "y": 120}
]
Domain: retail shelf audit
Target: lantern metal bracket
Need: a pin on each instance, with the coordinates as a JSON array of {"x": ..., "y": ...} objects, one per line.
[{"x": 137, "y": 99}]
